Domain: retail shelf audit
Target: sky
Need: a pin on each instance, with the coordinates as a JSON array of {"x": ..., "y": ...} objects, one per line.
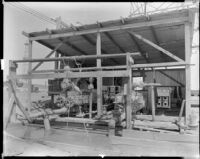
[{"x": 16, "y": 21}]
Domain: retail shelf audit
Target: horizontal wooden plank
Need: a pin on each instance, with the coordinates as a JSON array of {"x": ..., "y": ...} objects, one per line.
[
  {"x": 158, "y": 118},
  {"x": 165, "y": 64},
  {"x": 77, "y": 57},
  {"x": 156, "y": 124},
  {"x": 73, "y": 75},
  {"x": 112, "y": 28}
]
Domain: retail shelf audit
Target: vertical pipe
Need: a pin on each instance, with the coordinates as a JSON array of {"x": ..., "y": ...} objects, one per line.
[
  {"x": 187, "y": 71},
  {"x": 99, "y": 79}
]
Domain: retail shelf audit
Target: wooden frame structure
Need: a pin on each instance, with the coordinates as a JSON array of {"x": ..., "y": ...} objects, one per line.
[{"x": 109, "y": 71}]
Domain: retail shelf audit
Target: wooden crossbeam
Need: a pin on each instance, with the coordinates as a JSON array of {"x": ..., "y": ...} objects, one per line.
[
  {"x": 105, "y": 56},
  {"x": 113, "y": 28},
  {"x": 117, "y": 73},
  {"x": 40, "y": 63},
  {"x": 156, "y": 46}
]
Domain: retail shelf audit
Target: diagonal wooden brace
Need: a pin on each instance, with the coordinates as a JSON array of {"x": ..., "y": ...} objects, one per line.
[
  {"x": 56, "y": 48},
  {"x": 157, "y": 47},
  {"x": 18, "y": 103}
]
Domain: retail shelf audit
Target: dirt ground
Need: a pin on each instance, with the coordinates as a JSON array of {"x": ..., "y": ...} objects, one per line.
[{"x": 34, "y": 141}]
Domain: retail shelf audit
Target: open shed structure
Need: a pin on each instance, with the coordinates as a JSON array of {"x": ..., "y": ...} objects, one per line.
[{"x": 119, "y": 48}]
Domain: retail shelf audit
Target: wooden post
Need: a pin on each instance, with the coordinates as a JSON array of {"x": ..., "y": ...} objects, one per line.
[
  {"x": 58, "y": 26},
  {"x": 29, "y": 73},
  {"x": 153, "y": 102},
  {"x": 129, "y": 90},
  {"x": 12, "y": 106},
  {"x": 18, "y": 103},
  {"x": 91, "y": 87},
  {"x": 187, "y": 71},
  {"x": 153, "y": 95},
  {"x": 154, "y": 75},
  {"x": 99, "y": 79}
]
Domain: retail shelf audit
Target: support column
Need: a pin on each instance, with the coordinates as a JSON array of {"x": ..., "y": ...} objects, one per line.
[
  {"x": 29, "y": 72},
  {"x": 99, "y": 79},
  {"x": 11, "y": 106},
  {"x": 153, "y": 107},
  {"x": 153, "y": 102},
  {"x": 129, "y": 91},
  {"x": 56, "y": 62},
  {"x": 187, "y": 70}
]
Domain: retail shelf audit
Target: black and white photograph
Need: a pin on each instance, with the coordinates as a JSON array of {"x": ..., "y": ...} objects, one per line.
[{"x": 101, "y": 79}]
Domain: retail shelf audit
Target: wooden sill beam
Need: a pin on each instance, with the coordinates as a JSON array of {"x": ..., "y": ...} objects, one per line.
[{"x": 113, "y": 28}]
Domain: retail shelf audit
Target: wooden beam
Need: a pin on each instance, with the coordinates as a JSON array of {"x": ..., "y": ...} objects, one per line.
[
  {"x": 76, "y": 57},
  {"x": 75, "y": 120},
  {"x": 163, "y": 56},
  {"x": 158, "y": 118},
  {"x": 156, "y": 47},
  {"x": 56, "y": 48},
  {"x": 138, "y": 47},
  {"x": 153, "y": 104},
  {"x": 10, "y": 108},
  {"x": 19, "y": 104},
  {"x": 83, "y": 69},
  {"x": 25, "y": 34},
  {"x": 29, "y": 72},
  {"x": 113, "y": 28},
  {"x": 94, "y": 44},
  {"x": 99, "y": 79},
  {"x": 129, "y": 94},
  {"x": 187, "y": 71},
  {"x": 166, "y": 64},
  {"x": 102, "y": 68},
  {"x": 73, "y": 75}
]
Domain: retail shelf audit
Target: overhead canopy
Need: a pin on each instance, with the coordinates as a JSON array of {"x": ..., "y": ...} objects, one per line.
[{"x": 165, "y": 30}]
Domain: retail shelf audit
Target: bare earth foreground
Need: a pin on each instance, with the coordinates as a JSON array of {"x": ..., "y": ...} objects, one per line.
[
  {"x": 34, "y": 141},
  {"x": 22, "y": 140}
]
